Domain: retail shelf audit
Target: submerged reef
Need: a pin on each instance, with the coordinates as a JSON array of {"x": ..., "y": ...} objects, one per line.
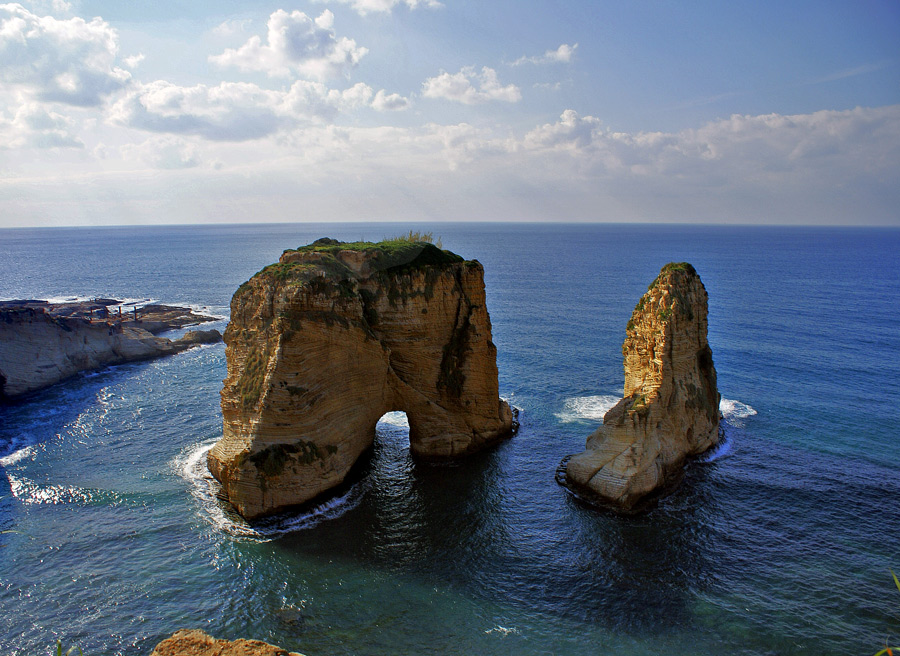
[
  {"x": 670, "y": 409},
  {"x": 324, "y": 342}
]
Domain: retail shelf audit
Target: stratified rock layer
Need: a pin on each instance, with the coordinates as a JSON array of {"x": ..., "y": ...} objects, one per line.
[
  {"x": 43, "y": 343},
  {"x": 194, "y": 642},
  {"x": 671, "y": 406},
  {"x": 330, "y": 338}
]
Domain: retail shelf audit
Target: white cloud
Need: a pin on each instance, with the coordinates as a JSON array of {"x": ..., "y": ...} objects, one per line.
[
  {"x": 164, "y": 152},
  {"x": 68, "y": 61},
  {"x": 134, "y": 60},
  {"x": 50, "y": 6},
  {"x": 233, "y": 27},
  {"x": 571, "y": 131},
  {"x": 460, "y": 88},
  {"x": 385, "y": 102},
  {"x": 296, "y": 43},
  {"x": 239, "y": 111},
  {"x": 364, "y": 7},
  {"x": 829, "y": 166},
  {"x": 562, "y": 55},
  {"x": 34, "y": 126},
  {"x": 229, "y": 111}
]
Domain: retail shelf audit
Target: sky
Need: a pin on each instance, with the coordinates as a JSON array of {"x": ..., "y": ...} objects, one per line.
[{"x": 117, "y": 112}]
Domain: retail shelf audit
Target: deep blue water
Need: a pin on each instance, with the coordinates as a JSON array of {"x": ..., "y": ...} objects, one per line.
[{"x": 111, "y": 537}]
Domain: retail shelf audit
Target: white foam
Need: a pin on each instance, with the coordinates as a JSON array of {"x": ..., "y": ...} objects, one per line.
[
  {"x": 206, "y": 490},
  {"x": 722, "y": 449},
  {"x": 397, "y": 418},
  {"x": 587, "y": 407},
  {"x": 504, "y": 631},
  {"x": 17, "y": 456},
  {"x": 209, "y": 311},
  {"x": 735, "y": 412}
]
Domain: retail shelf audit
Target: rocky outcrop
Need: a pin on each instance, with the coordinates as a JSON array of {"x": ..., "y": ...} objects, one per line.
[
  {"x": 194, "y": 642},
  {"x": 330, "y": 338},
  {"x": 42, "y": 344},
  {"x": 671, "y": 406}
]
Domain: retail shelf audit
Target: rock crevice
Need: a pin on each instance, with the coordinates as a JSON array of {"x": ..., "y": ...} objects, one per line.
[
  {"x": 670, "y": 409},
  {"x": 330, "y": 338}
]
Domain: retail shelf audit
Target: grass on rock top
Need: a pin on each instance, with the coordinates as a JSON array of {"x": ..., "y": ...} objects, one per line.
[
  {"x": 389, "y": 254},
  {"x": 396, "y": 255}
]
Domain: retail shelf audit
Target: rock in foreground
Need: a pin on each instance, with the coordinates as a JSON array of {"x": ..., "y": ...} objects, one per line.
[
  {"x": 193, "y": 642},
  {"x": 671, "y": 406},
  {"x": 43, "y": 343},
  {"x": 329, "y": 339}
]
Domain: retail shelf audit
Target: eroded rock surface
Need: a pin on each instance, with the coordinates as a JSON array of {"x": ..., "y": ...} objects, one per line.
[
  {"x": 194, "y": 642},
  {"x": 670, "y": 409},
  {"x": 43, "y": 343},
  {"x": 334, "y": 335}
]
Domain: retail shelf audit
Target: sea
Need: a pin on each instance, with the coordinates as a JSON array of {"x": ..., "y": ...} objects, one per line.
[{"x": 780, "y": 541}]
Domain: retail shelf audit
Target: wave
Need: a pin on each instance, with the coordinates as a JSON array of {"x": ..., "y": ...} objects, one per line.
[
  {"x": 216, "y": 312},
  {"x": 587, "y": 407},
  {"x": 720, "y": 450},
  {"x": 17, "y": 456},
  {"x": 208, "y": 492},
  {"x": 735, "y": 412}
]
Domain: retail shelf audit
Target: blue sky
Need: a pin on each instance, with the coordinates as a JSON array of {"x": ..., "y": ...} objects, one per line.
[{"x": 405, "y": 110}]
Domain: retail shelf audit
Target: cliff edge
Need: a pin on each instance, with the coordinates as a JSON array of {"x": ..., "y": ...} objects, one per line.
[
  {"x": 670, "y": 409},
  {"x": 43, "y": 343},
  {"x": 329, "y": 339}
]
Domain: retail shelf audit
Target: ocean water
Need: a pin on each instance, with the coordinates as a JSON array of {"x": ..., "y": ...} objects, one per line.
[{"x": 779, "y": 542}]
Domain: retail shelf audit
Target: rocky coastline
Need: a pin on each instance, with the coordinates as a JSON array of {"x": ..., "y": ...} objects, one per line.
[{"x": 43, "y": 343}]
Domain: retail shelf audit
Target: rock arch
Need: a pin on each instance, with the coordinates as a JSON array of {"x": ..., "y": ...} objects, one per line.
[{"x": 326, "y": 341}]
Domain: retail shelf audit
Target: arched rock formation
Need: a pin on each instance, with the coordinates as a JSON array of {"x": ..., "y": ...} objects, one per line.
[{"x": 334, "y": 335}]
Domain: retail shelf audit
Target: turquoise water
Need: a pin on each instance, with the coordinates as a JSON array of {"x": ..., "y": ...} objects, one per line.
[{"x": 780, "y": 543}]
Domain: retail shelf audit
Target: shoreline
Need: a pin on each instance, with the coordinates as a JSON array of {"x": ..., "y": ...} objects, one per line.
[{"x": 43, "y": 343}]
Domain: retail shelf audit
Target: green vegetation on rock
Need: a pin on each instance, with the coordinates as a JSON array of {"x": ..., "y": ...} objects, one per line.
[
  {"x": 250, "y": 384},
  {"x": 387, "y": 255}
]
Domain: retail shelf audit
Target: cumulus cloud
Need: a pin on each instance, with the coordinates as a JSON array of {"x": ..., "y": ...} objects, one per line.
[
  {"x": 296, "y": 43},
  {"x": 364, "y": 7},
  {"x": 562, "y": 55},
  {"x": 69, "y": 61},
  {"x": 34, "y": 126},
  {"x": 571, "y": 130},
  {"x": 134, "y": 60},
  {"x": 164, "y": 152},
  {"x": 461, "y": 87},
  {"x": 389, "y": 102},
  {"x": 239, "y": 111}
]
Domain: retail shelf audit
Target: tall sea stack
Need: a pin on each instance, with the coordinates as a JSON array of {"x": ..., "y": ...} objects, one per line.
[
  {"x": 334, "y": 335},
  {"x": 670, "y": 409}
]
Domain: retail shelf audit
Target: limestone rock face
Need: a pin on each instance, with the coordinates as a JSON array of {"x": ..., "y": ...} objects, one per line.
[
  {"x": 40, "y": 347},
  {"x": 194, "y": 642},
  {"x": 670, "y": 409},
  {"x": 330, "y": 338}
]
